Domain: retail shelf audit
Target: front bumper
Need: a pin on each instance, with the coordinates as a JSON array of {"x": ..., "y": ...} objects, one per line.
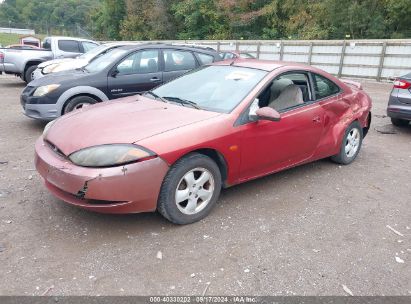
[
  {"x": 42, "y": 108},
  {"x": 131, "y": 188}
]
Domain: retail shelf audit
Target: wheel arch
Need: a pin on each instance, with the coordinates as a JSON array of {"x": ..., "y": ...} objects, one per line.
[
  {"x": 79, "y": 91},
  {"x": 366, "y": 128},
  {"x": 218, "y": 158},
  {"x": 78, "y": 95},
  {"x": 28, "y": 65}
]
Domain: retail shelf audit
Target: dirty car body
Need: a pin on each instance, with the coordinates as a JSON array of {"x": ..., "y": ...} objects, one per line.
[{"x": 163, "y": 130}]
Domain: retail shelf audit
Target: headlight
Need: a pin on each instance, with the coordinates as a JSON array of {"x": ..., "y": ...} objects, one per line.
[
  {"x": 41, "y": 91},
  {"x": 50, "y": 68},
  {"x": 110, "y": 155},
  {"x": 47, "y": 127}
]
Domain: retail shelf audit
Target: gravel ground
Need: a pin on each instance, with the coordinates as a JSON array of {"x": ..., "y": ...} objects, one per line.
[{"x": 319, "y": 229}]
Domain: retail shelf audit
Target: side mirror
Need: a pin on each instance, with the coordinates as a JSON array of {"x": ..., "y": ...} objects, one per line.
[
  {"x": 268, "y": 113},
  {"x": 114, "y": 73}
]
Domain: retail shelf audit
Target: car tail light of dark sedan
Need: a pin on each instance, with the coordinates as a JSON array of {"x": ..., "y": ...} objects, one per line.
[{"x": 401, "y": 84}]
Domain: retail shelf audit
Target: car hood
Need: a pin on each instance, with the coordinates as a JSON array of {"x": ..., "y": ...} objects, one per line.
[
  {"x": 126, "y": 120},
  {"x": 70, "y": 65},
  {"x": 54, "y": 61},
  {"x": 59, "y": 77}
]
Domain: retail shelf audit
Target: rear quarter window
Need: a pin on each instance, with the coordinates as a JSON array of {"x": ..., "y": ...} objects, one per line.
[
  {"x": 324, "y": 87},
  {"x": 205, "y": 59},
  {"x": 70, "y": 46}
]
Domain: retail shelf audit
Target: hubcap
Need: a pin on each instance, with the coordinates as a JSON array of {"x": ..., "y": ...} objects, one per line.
[
  {"x": 194, "y": 191},
  {"x": 352, "y": 142}
]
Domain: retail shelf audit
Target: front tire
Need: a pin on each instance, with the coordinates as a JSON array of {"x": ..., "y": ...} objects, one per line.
[
  {"x": 399, "y": 122},
  {"x": 351, "y": 144},
  {"x": 190, "y": 189},
  {"x": 78, "y": 102},
  {"x": 28, "y": 75}
]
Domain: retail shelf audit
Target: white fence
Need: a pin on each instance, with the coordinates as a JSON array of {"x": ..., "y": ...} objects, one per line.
[
  {"x": 10, "y": 30},
  {"x": 373, "y": 59}
]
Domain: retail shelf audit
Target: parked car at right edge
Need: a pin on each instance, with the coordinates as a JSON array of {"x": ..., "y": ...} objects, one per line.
[
  {"x": 399, "y": 104},
  {"x": 125, "y": 71}
]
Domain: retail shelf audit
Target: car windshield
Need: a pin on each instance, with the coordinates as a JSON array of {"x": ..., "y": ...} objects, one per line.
[
  {"x": 213, "y": 88},
  {"x": 93, "y": 52},
  {"x": 102, "y": 62}
]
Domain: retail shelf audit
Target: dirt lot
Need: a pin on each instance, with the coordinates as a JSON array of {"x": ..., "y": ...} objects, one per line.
[{"x": 307, "y": 231}]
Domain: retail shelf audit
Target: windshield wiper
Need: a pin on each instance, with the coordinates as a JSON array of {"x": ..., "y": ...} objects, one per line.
[
  {"x": 183, "y": 101},
  {"x": 156, "y": 96}
]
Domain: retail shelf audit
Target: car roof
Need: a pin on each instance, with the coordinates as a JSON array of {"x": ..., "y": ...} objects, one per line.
[
  {"x": 265, "y": 65},
  {"x": 69, "y": 38},
  {"x": 173, "y": 46}
]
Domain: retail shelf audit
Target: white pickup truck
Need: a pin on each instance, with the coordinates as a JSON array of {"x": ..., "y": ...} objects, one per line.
[{"x": 23, "y": 62}]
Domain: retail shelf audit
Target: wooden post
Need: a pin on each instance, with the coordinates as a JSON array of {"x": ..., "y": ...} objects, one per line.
[
  {"x": 258, "y": 50},
  {"x": 281, "y": 50},
  {"x": 310, "y": 53},
  {"x": 381, "y": 65},
  {"x": 340, "y": 68},
  {"x": 218, "y": 46},
  {"x": 237, "y": 46}
]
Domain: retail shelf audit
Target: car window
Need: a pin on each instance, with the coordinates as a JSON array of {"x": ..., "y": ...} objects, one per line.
[
  {"x": 139, "y": 63},
  {"x": 286, "y": 91},
  {"x": 204, "y": 58},
  {"x": 324, "y": 87},
  {"x": 178, "y": 60},
  {"x": 47, "y": 44},
  {"x": 88, "y": 46},
  {"x": 222, "y": 87},
  {"x": 69, "y": 46},
  {"x": 226, "y": 56}
]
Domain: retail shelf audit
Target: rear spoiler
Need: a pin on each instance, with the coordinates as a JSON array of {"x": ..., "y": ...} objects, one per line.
[{"x": 352, "y": 83}]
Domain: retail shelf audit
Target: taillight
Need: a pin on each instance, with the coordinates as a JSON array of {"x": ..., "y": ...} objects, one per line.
[
  {"x": 1, "y": 57},
  {"x": 401, "y": 84}
]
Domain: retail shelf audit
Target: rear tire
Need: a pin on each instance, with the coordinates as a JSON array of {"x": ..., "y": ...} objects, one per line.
[
  {"x": 399, "y": 122},
  {"x": 78, "y": 102},
  {"x": 190, "y": 189},
  {"x": 28, "y": 75},
  {"x": 351, "y": 144}
]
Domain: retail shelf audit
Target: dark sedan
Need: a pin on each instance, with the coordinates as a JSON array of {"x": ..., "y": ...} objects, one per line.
[
  {"x": 399, "y": 104},
  {"x": 125, "y": 71}
]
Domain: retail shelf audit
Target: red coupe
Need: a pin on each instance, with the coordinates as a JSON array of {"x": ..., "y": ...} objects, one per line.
[{"x": 172, "y": 149}]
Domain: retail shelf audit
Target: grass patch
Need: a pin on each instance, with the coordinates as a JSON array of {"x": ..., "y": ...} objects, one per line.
[{"x": 6, "y": 39}]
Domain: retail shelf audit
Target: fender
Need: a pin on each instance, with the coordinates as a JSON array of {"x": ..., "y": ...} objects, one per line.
[{"x": 78, "y": 91}]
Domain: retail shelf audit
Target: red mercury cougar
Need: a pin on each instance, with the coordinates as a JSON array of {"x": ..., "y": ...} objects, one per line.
[{"x": 172, "y": 149}]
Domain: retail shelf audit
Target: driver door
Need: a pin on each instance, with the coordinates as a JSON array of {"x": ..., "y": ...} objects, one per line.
[
  {"x": 137, "y": 73},
  {"x": 269, "y": 146}
]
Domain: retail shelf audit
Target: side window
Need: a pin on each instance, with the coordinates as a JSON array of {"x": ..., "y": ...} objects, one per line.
[
  {"x": 286, "y": 91},
  {"x": 139, "y": 63},
  {"x": 69, "y": 46},
  {"x": 178, "y": 60},
  {"x": 324, "y": 87},
  {"x": 204, "y": 58},
  {"x": 47, "y": 44},
  {"x": 87, "y": 46}
]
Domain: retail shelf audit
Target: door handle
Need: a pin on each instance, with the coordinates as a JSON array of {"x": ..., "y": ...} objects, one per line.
[
  {"x": 155, "y": 79},
  {"x": 317, "y": 119}
]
